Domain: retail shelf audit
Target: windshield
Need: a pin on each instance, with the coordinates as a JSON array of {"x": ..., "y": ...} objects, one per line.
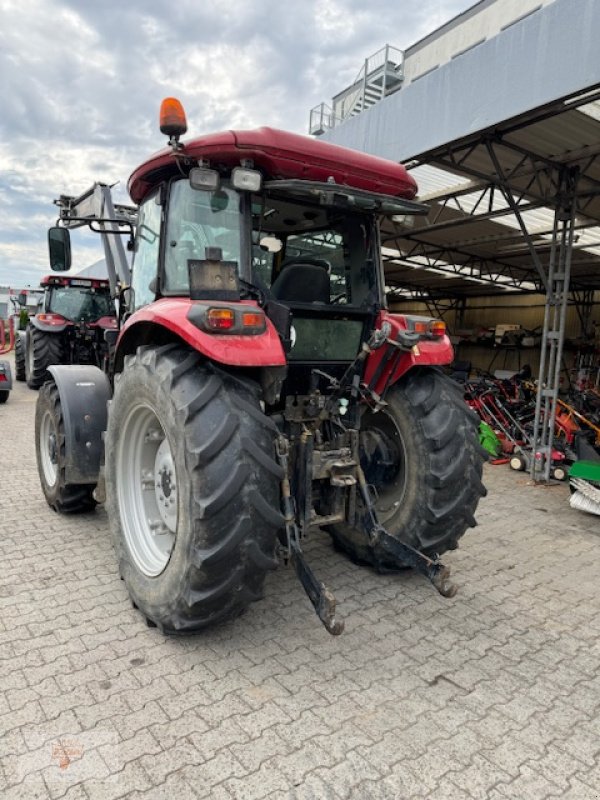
[
  {"x": 197, "y": 220},
  {"x": 311, "y": 254},
  {"x": 76, "y": 303}
]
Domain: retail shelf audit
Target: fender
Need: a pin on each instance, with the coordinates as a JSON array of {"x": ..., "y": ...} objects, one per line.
[
  {"x": 45, "y": 328},
  {"x": 387, "y": 365},
  {"x": 106, "y": 323},
  {"x": 172, "y": 313},
  {"x": 84, "y": 394}
]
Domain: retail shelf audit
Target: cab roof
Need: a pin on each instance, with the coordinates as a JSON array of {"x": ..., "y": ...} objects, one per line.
[
  {"x": 74, "y": 280},
  {"x": 279, "y": 155}
]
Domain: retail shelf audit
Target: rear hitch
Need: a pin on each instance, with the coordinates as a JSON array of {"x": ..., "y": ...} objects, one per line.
[
  {"x": 434, "y": 570},
  {"x": 320, "y": 596},
  {"x": 402, "y": 553}
]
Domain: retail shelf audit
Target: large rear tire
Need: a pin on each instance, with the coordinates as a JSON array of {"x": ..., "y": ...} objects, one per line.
[
  {"x": 421, "y": 454},
  {"x": 42, "y": 351},
  {"x": 20, "y": 357},
  {"x": 192, "y": 488},
  {"x": 66, "y": 498}
]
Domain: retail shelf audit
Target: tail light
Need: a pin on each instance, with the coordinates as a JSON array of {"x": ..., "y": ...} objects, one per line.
[
  {"x": 426, "y": 327},
  {"x": 220, "y": 319},
  {"x": 420, "y": 326},
  {"x": 253, "y": 319},
  {"x": 51, "y": 319},
  {"x": 240, "y": 320}
]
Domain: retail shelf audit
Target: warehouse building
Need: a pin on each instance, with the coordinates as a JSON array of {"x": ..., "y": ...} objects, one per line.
[{"x": 502, "y": 134}]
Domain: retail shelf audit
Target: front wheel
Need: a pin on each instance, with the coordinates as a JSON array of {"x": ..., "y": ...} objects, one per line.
[
  {"x": 192, "y": 488},
  {"x": 422, "y": 459}
]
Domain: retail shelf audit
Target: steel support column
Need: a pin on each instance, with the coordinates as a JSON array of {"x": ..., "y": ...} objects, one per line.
[{"x": 557, "y": 294}]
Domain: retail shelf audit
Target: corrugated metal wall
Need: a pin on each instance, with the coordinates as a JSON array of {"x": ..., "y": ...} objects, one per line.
[{"x": 487, "y": 312}]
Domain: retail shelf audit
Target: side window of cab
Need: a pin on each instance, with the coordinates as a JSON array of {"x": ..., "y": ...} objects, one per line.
[{"x": 146, "y": 251}]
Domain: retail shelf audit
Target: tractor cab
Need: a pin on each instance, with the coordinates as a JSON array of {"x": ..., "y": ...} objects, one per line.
[
  {"x": 77, "y": 299},
  {"x": 276, "y": 219}
]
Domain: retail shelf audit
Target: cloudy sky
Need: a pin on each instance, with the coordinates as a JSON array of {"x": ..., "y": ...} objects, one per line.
[{"x": 81, "y": 83}]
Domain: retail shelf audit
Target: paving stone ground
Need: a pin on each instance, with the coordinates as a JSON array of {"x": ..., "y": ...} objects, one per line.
[{"x": 493, "y": 694}]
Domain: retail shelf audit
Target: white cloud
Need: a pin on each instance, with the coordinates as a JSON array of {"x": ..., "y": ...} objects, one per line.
[{"x": 81, "y": 83}]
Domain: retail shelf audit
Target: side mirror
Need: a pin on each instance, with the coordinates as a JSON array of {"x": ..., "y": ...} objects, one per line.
[{"x": 59, "y": 247}]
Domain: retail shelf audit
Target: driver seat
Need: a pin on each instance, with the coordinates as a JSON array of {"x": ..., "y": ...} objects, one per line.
[{"x": 303, "y": 282}]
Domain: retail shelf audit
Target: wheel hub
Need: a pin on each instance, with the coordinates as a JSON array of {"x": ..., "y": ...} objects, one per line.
[
  {"x": 383, "y": 459},
  {"x": 380, "y": 457},
  {"x": 52, "y": 448},
  {"x": 165, "y": 487}
]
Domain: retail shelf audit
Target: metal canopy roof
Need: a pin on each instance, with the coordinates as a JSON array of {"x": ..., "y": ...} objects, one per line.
[
  {"x": 472, "y": 242},
  {"x": 503, "y": 141}
]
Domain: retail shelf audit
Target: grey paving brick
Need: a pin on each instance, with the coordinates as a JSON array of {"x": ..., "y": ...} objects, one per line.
[
  {"x": 530, "y": 785},
  {"x": 221, "y": 737},
  {"x": 490, "y": 695},
  {"x": 559, "y": 767},
  {"x": 479, "y": 777},
  {"x": 578, "y": 790},
  {"x": 132, "y": 778},
  {"x": 162, "y": 764},
  {"x": 262, "y": 783}
]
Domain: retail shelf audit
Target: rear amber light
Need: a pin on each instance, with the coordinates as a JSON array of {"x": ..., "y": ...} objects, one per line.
[
  {"x": 220, "y": 319},
  {"x": 51, "y": 319},
  {"x": 437, "y": 328},
  {"x": 253, "y": 319}
]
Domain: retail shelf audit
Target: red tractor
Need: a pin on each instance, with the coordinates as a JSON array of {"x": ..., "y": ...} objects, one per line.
[
  {"x": 258, "y": 388},
  {"x": 68, "y": 328}
]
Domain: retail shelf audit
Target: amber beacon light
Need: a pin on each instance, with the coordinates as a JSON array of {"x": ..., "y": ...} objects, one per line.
[{"x": 172, "y": 118}]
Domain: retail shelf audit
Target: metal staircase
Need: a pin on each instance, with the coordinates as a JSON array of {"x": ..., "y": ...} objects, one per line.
[{"x": 380, "y": 75}]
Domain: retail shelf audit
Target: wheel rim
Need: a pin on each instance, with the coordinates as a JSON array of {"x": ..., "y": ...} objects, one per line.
[
  {"x": 30, "y": 359},
  {"x": 49, "y": 449},
  {"x": 383, "y": 459},
  {"x": 147, "y": 490}
]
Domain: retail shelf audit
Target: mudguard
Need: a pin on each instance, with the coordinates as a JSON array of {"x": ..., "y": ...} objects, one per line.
[
  {"x": 6, "y": 383},
  {"x": 387, "y": 365},
  {"x": 41, "y": 326},
  {"x": 176, "y": 315},
  {"x": 84, "y": 394}
]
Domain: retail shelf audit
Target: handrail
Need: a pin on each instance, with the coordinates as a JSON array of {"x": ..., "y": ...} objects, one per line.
[{"x": 380, "y": 73}]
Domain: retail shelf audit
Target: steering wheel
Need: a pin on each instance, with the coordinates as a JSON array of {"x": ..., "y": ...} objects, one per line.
[{"x": 189, "y": 230}]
